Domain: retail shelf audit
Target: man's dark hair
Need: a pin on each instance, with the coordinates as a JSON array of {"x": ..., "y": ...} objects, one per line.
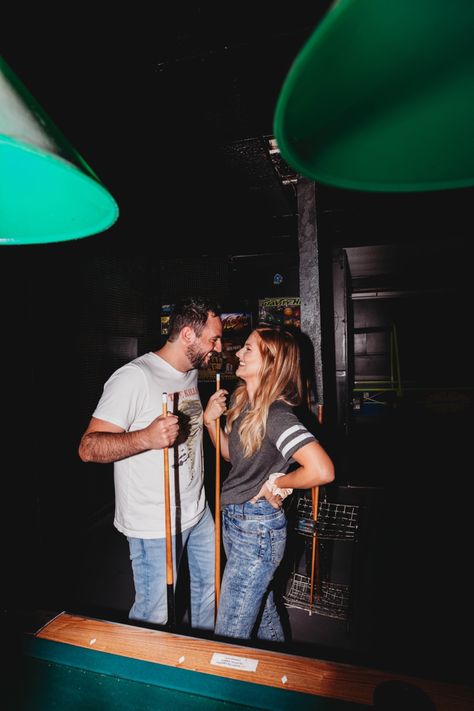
[{"x": 192, "y": 311}]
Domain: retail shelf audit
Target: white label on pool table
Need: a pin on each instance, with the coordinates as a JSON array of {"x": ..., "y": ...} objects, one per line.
[{"x": 228, "y": 660}]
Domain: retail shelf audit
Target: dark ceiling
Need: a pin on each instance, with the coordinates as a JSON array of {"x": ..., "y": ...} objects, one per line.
[{"x": 173, "y": 109}]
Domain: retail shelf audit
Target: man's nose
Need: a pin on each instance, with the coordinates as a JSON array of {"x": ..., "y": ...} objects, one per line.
[{"x": 218, "y": 347}]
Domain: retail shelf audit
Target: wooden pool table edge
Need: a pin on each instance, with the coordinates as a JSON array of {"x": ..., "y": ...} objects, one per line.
[
  {"x": 287, "y": 672},
  {"x": 241, "y": 694}
]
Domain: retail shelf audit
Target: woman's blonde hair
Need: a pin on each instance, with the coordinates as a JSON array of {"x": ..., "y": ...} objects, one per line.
[{"x": 280, "y": 379}]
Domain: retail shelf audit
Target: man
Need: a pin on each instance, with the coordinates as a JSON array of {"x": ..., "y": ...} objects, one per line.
[{"x": 128, "y": 428}]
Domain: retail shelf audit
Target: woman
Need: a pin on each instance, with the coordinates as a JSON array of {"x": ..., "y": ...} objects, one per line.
[{"x": 262, "y": 438}]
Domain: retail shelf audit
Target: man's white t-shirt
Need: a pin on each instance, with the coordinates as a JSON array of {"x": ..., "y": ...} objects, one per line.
[{"x": 132, "y": 398}]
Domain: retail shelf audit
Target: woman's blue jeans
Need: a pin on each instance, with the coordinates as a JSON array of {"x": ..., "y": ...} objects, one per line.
[
  {"x": 254, "y": 538},
  {"x": 148, "y": 556}
]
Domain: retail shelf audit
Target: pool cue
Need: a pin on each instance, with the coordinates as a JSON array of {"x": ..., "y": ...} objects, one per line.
[
  {"x": 169, "y": 553},
  {"x": 314, "y": 558},
  {"x": 217, "y": 508}
]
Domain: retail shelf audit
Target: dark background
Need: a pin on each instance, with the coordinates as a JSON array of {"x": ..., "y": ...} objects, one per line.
[{"x": 173, "y": 110}]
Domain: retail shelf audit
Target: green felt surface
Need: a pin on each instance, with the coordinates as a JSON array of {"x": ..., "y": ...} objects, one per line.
[{"x": 51, "y": 675}]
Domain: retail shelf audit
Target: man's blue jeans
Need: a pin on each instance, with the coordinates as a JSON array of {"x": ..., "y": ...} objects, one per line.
[
  {"x": 254, "y": 538},
  {"x": 148, "y": 556}
]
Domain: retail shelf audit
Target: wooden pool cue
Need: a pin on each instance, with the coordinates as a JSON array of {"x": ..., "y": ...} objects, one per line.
[
  {"x": 217, "y": 508},
  {"x": 169, "y": 553},
  {"x": 314, "y": 557}
]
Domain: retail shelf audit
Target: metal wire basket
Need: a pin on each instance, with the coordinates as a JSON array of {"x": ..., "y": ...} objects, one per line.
[
  {"x": 334, "y": 522},
  {"x": 331, "y": 599}
]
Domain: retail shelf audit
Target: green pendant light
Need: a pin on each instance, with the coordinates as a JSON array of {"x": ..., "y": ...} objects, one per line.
[
  {"x": 381, "y": 97},
  {"x": 48, "y": 193}
]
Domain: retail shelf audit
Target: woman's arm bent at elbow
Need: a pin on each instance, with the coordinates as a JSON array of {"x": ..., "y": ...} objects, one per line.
[{"x": 316, "y": 468}]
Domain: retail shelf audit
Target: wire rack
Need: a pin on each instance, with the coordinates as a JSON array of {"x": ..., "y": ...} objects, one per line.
[
  {"x": 331, "y": 600},
  {"x": 334, "y": 522}
]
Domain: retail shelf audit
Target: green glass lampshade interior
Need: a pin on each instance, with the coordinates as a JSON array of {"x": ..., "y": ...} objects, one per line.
[
  {"x": 44, "y": 198},
  {"x": 381, "y": 97},
  {"x": 48, "y": 193}
]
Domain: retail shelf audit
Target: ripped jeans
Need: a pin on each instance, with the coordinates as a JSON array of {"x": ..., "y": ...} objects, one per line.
[{"x": 254, "y": 538}]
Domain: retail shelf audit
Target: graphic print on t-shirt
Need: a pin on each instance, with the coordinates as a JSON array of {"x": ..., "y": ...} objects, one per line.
[{"x": 189, "y": 417}]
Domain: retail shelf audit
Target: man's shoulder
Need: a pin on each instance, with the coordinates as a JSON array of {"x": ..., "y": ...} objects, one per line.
[
  {"x": 148, "y": 363},
  {"x": 144, "y": 361},
  {"x": 134, "y": 370}
]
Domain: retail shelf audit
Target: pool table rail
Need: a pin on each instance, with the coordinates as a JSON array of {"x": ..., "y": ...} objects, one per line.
[{"x": 286, "y": 672}]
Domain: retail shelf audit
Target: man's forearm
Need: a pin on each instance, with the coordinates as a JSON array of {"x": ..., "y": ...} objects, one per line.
[{"x": 106, "y": 447}]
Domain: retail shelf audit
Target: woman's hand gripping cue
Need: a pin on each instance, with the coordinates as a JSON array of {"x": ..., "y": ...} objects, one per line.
[{"x": 215, "y": 408}]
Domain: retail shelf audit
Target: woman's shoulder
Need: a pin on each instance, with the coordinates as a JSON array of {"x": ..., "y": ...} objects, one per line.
[
  {"x": 281, "y": 412},
  {"x": 278, "y": 406}
]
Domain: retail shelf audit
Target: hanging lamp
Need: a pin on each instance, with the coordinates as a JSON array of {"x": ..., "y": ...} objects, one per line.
[
  {"x": 48, "y": 193},
  {"x": 381, "y": 97}
]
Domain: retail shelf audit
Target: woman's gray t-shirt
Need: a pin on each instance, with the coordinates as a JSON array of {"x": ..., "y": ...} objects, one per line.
[{"x": 285, "y": 434}]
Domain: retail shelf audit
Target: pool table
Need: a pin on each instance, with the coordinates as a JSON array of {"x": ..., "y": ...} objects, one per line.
[{"x": 81, "y": 663}]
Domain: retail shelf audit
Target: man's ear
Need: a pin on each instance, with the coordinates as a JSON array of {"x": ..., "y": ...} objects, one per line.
[{"x": 187, "y": 335}]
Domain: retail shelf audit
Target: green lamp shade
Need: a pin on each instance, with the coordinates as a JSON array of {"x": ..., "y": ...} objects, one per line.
[
  {"x": 47, "y": 191},
  {"x": 381, "y": 97}
]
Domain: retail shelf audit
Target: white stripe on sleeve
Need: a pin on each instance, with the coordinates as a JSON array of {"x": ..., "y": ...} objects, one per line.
[
  {"x": 296, "y": 440},
  {"x": 287, "y": 433}
]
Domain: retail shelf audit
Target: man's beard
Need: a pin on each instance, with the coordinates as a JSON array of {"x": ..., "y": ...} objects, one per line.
[{"x": 195, "y": 356}]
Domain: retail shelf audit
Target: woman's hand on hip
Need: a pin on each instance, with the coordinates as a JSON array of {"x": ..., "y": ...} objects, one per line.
[{"x": 274, "y": 499}]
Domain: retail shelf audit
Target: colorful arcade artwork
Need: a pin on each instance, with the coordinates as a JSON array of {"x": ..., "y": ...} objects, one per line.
[
  {"x": 236, "y": 326},
  {"x": 165, "y": 318},
  {"x": 281, "y": 311}
]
